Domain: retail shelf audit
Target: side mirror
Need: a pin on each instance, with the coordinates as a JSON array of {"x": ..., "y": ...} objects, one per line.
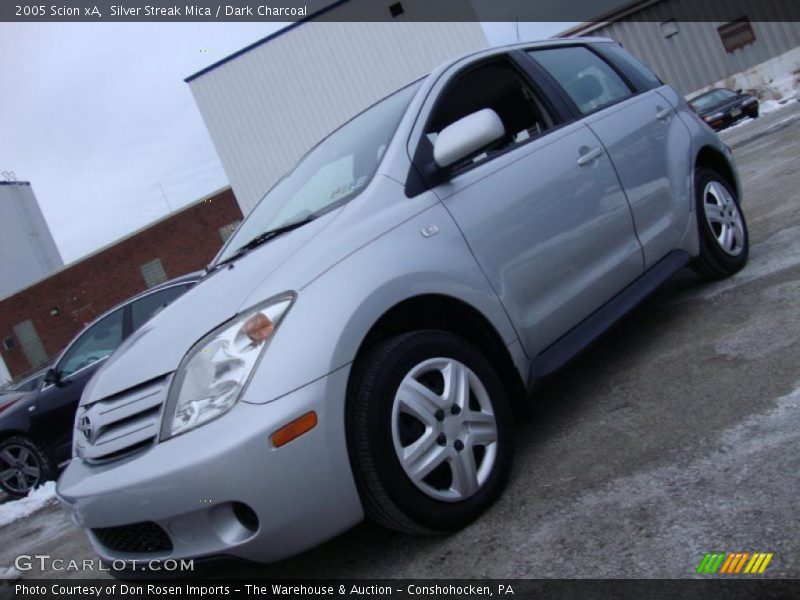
[
  {"x": 53, "y": 376},
  {"x": 739, "y": 91},
  {"x": 467, "y": 136}
]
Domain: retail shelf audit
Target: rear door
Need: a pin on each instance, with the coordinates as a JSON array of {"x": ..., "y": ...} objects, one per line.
[
  {"x": 649, "y": 146},
  {"x": 543, "y": 213}
]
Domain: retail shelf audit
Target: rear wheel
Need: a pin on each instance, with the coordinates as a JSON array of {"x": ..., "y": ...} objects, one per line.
[
  {"x": 23, "y": 466},
  {"x": 429, "y": 431},
  {"x": 724, "y": 240}
]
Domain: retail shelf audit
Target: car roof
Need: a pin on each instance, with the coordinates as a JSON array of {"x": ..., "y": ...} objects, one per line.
[{"x": 711, "y": 91}]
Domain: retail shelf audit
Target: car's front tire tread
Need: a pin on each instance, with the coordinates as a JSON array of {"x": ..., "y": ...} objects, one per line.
[{"x": 368, "y": 389}]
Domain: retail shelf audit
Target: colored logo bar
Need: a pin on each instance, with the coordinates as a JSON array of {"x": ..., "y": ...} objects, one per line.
[{"x": 733, "y": 563}]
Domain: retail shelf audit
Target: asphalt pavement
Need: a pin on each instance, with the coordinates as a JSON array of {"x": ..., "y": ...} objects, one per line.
[{"x": 675, "y": 435}]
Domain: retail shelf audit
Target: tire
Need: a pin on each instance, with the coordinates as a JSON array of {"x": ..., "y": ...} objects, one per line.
[
  {"x": 381, "y": 428},
  {"x": 16, "y": 454},
  {"x": 718, "y": 212}
]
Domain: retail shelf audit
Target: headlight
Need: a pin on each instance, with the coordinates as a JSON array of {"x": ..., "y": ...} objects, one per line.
[{"x": 215, "y": 372}]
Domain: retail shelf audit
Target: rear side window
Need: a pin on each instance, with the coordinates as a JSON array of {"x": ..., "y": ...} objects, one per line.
[
  {"x": 588, "y": 80},
  {"x": 634, "y": 69},
  {"x": 144, "y": 309}
]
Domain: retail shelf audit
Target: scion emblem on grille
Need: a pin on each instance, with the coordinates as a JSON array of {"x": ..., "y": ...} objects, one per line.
[{"x": 85, "y": 427}]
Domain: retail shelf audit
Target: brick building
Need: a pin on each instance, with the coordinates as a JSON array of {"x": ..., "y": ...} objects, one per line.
[{"x": 37, "y": 321}]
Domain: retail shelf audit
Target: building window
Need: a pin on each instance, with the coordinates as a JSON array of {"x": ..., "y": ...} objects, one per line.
[
  {"x": 226, "y": 231},
  {"x": 153, "y": 272},
  {"x": 669, "y": 28},
  {"x": 736, "y": 34},
  {"x": 31, "y": 344},
  {"x": 396, "y": 9}
]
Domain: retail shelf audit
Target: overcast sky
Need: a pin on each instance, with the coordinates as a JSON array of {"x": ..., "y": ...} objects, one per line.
[{"x": 97, "y": 117}]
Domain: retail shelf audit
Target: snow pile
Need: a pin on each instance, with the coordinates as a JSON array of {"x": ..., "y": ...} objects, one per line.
[
  {"x": 767, "y": 106},
  {"x": 36, "y": 500},
  {"x": 781, "y": 89},
  {"x": 9, "y": 573}
]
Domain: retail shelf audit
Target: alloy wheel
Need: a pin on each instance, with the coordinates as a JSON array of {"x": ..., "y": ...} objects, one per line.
[
  {"x": 20, "y": 470},
  {"x": 724, "y": 218},
  {"x": 444, "y": 429}
]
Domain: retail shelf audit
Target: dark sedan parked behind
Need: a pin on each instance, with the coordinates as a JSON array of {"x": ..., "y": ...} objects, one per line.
[
  {"x": 721, "y": 107},
  {"x": 36, "y": 431}
]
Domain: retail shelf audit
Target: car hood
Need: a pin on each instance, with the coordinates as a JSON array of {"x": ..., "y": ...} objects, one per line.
[{"x": 157, "y": 348}]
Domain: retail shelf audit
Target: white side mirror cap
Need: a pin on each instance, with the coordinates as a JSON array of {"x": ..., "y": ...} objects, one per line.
[{"x": 466, "y": 136}]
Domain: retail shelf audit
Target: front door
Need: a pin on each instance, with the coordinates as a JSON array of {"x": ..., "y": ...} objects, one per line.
[
  {"x": 543, "y": 213},
  {"x": 54, "y": 417}
]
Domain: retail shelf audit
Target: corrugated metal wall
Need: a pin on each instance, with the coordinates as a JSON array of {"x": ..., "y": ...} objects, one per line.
[
  {"x": 695, "y": 57},
  {"x": 265, "y": 108}
]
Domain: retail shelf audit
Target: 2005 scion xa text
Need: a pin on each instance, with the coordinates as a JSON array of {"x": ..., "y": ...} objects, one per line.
[{"x": 358, "y": 347}]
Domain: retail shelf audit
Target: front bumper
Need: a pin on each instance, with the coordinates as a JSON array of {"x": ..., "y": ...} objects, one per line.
[{"x": 193, "y": 486}]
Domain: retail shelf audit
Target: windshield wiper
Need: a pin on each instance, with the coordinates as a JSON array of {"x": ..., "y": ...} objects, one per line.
[{"x": 262, "y": 238}]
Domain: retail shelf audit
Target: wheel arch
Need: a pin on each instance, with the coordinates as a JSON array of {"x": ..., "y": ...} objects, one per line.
[
  {"x": 714, "y": 159},
  {"x": 447, "y": 313}
]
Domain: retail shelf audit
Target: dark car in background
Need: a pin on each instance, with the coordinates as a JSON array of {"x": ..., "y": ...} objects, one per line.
[
  {"x": 17, "y": 389},
  {"x": 26, "y": 384},
  {"x": 36, "y": 428},
  {"x": 721, "y": 107}
]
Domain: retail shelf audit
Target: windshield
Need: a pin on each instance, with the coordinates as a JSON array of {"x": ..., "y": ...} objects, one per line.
[
  {"x": 711, "y": 98},
  {"x": 333, "y": 172}
]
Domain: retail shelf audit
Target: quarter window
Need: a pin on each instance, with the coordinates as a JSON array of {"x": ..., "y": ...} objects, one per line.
[
  {"x": 590, "y": 82},
  {"x": 496, "y": 85}
]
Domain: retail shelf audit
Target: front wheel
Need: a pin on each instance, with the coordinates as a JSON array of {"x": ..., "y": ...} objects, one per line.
[
  {"x": 23, "y": 466},
  {"x": 429, "y": 431},
  {"x": 724, "y": 240}
]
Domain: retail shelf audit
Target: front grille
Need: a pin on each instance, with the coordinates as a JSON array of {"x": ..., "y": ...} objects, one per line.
[
  {"x": 119, "y": 425},
  {"x": 144, "y": 537}
]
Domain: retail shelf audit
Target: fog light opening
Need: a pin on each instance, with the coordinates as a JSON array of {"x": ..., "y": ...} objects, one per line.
[{"x": 246, "y": 516}]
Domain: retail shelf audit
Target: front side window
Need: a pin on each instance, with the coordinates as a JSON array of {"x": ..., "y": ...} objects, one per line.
[
  {"x": 496, "y": 85},
  {"x": 588, "y": 80},
  {"x": 332, "y": 173},
  {"x": 96, "y": 343},
  {"x": 145, "y": 308}
]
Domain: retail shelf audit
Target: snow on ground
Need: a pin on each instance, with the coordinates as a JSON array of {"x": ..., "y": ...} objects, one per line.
[
  {"x": 36, "y": 500},
  {"x": 9, "y": 573},
  {"x": 765, "y": 107}
]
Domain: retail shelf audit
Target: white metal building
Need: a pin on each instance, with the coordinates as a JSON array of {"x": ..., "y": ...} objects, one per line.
[
  {"x": 744, "y": 52},
  {"x": 26, "y": 244},
  {"x": 267, "y": 104}
]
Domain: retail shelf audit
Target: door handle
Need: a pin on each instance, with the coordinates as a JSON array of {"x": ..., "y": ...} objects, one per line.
[
  {"x": 589, "y": 155},
  {"x": 663, "y": 114}
]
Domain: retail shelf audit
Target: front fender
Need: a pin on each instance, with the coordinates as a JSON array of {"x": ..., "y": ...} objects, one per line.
[{"x": 333, "y": 313}]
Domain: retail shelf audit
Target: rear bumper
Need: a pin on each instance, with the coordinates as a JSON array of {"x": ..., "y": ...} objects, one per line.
[
  {"x": 728, "y": 119},
  {"x": 193, "y": 486}
]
